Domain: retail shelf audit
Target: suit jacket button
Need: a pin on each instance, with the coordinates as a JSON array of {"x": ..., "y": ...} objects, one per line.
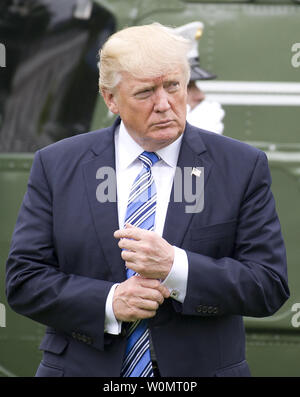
[
  {"x": 204, "y": 309},
  {"x": 199, "y": 309}
]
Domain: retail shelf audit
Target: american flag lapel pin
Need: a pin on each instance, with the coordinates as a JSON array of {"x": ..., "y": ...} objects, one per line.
[{"x": 196, "y": 172}]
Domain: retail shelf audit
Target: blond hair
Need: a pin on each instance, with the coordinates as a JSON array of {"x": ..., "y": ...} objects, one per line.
[{"x": 143, "y": 51}]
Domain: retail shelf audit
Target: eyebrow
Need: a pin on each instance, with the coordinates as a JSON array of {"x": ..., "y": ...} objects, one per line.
[
  {"x": 146, "y": 86},
  {"x": 142, "y": 88}
]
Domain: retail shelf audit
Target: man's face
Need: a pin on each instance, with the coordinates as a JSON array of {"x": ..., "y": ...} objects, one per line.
[
  {"x": 195, "y": 95},
  {"x": 152, "y": 109}
]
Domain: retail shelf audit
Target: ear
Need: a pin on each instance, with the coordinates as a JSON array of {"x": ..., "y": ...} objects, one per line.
[{"x": 110, "y": 100}]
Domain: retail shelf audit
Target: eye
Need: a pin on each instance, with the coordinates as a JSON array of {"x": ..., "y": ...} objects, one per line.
[
  {"x": 143, "y": 94},
  {"x": 172, "y": 86}
]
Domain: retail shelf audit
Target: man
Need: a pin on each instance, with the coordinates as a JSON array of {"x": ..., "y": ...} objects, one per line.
[
  {"x": 164, "y": 295},
  {"x": 202, "y": 113}
]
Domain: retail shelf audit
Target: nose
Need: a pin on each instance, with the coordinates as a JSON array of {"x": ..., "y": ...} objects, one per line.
[{"x": 161, "y": 101}]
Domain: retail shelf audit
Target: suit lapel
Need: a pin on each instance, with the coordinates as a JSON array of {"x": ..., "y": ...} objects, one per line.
[
  {"x": 192, "y": 154},
  {"x": 101, "y": 170}
]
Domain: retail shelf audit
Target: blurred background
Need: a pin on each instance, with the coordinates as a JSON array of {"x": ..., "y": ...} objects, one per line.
[{"x": 49, "y": 91}]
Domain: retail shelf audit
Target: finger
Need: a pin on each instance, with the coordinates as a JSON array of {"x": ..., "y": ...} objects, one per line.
[
  {"x": 137, "y": 263},
  {"x": 129, "y": 232},
  {"x": 151, "y": 283},
  {"x": 141, "y": 314},
  {"x": 148, "y": 304},
  {"x": 153, "y": 295},
  {"x": 132, "y": 266},
  {"x": 128, "y": 256},
  {"x": 129, "y": 225},
  {"x": 157, "y": 287},
  {"x": 164, "y": 291},
  {"x": 127, "y": 244},
  {"x": 155, "y": 290}
]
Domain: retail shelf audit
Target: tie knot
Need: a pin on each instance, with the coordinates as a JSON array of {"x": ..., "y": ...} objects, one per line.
[{"x": 149, "y": 158}]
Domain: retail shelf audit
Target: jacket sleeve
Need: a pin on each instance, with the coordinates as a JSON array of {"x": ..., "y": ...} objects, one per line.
[
  {"x": 35, "y": 285},
  {"x": 253, "y": 281}
]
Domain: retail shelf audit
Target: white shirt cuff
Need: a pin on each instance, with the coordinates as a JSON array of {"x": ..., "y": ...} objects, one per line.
[
  {"x": 111, "y": 324},
  {"x": 176, "y": 281}
]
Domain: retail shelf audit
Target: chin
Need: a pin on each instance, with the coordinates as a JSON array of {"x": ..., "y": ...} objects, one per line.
[{"x": 160, "y": 140}]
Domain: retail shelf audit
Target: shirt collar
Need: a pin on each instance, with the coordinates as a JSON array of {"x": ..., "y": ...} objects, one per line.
[{"x": 123, "y": 140}]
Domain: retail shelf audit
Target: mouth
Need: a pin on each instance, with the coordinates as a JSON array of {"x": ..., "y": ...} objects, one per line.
[{"x": 163, "y": 124}]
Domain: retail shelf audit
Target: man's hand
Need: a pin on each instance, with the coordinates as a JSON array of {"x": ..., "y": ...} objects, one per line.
[
  {"x": 145, "y": 252},
  {"x": 138, "y": 298}
]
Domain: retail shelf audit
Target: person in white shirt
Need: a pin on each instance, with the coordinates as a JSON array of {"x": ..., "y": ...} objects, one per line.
[{"x": 201, "y": 112}]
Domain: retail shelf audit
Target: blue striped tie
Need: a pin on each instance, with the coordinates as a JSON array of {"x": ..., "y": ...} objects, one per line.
[{"x": 141, "y": 213}]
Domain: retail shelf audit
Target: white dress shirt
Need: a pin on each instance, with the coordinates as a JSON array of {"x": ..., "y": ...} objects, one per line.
[{"x": 128, "y": 167}]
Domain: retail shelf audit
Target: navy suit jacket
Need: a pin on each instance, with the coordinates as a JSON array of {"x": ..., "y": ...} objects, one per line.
[{"x": 64, "y": 259}]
